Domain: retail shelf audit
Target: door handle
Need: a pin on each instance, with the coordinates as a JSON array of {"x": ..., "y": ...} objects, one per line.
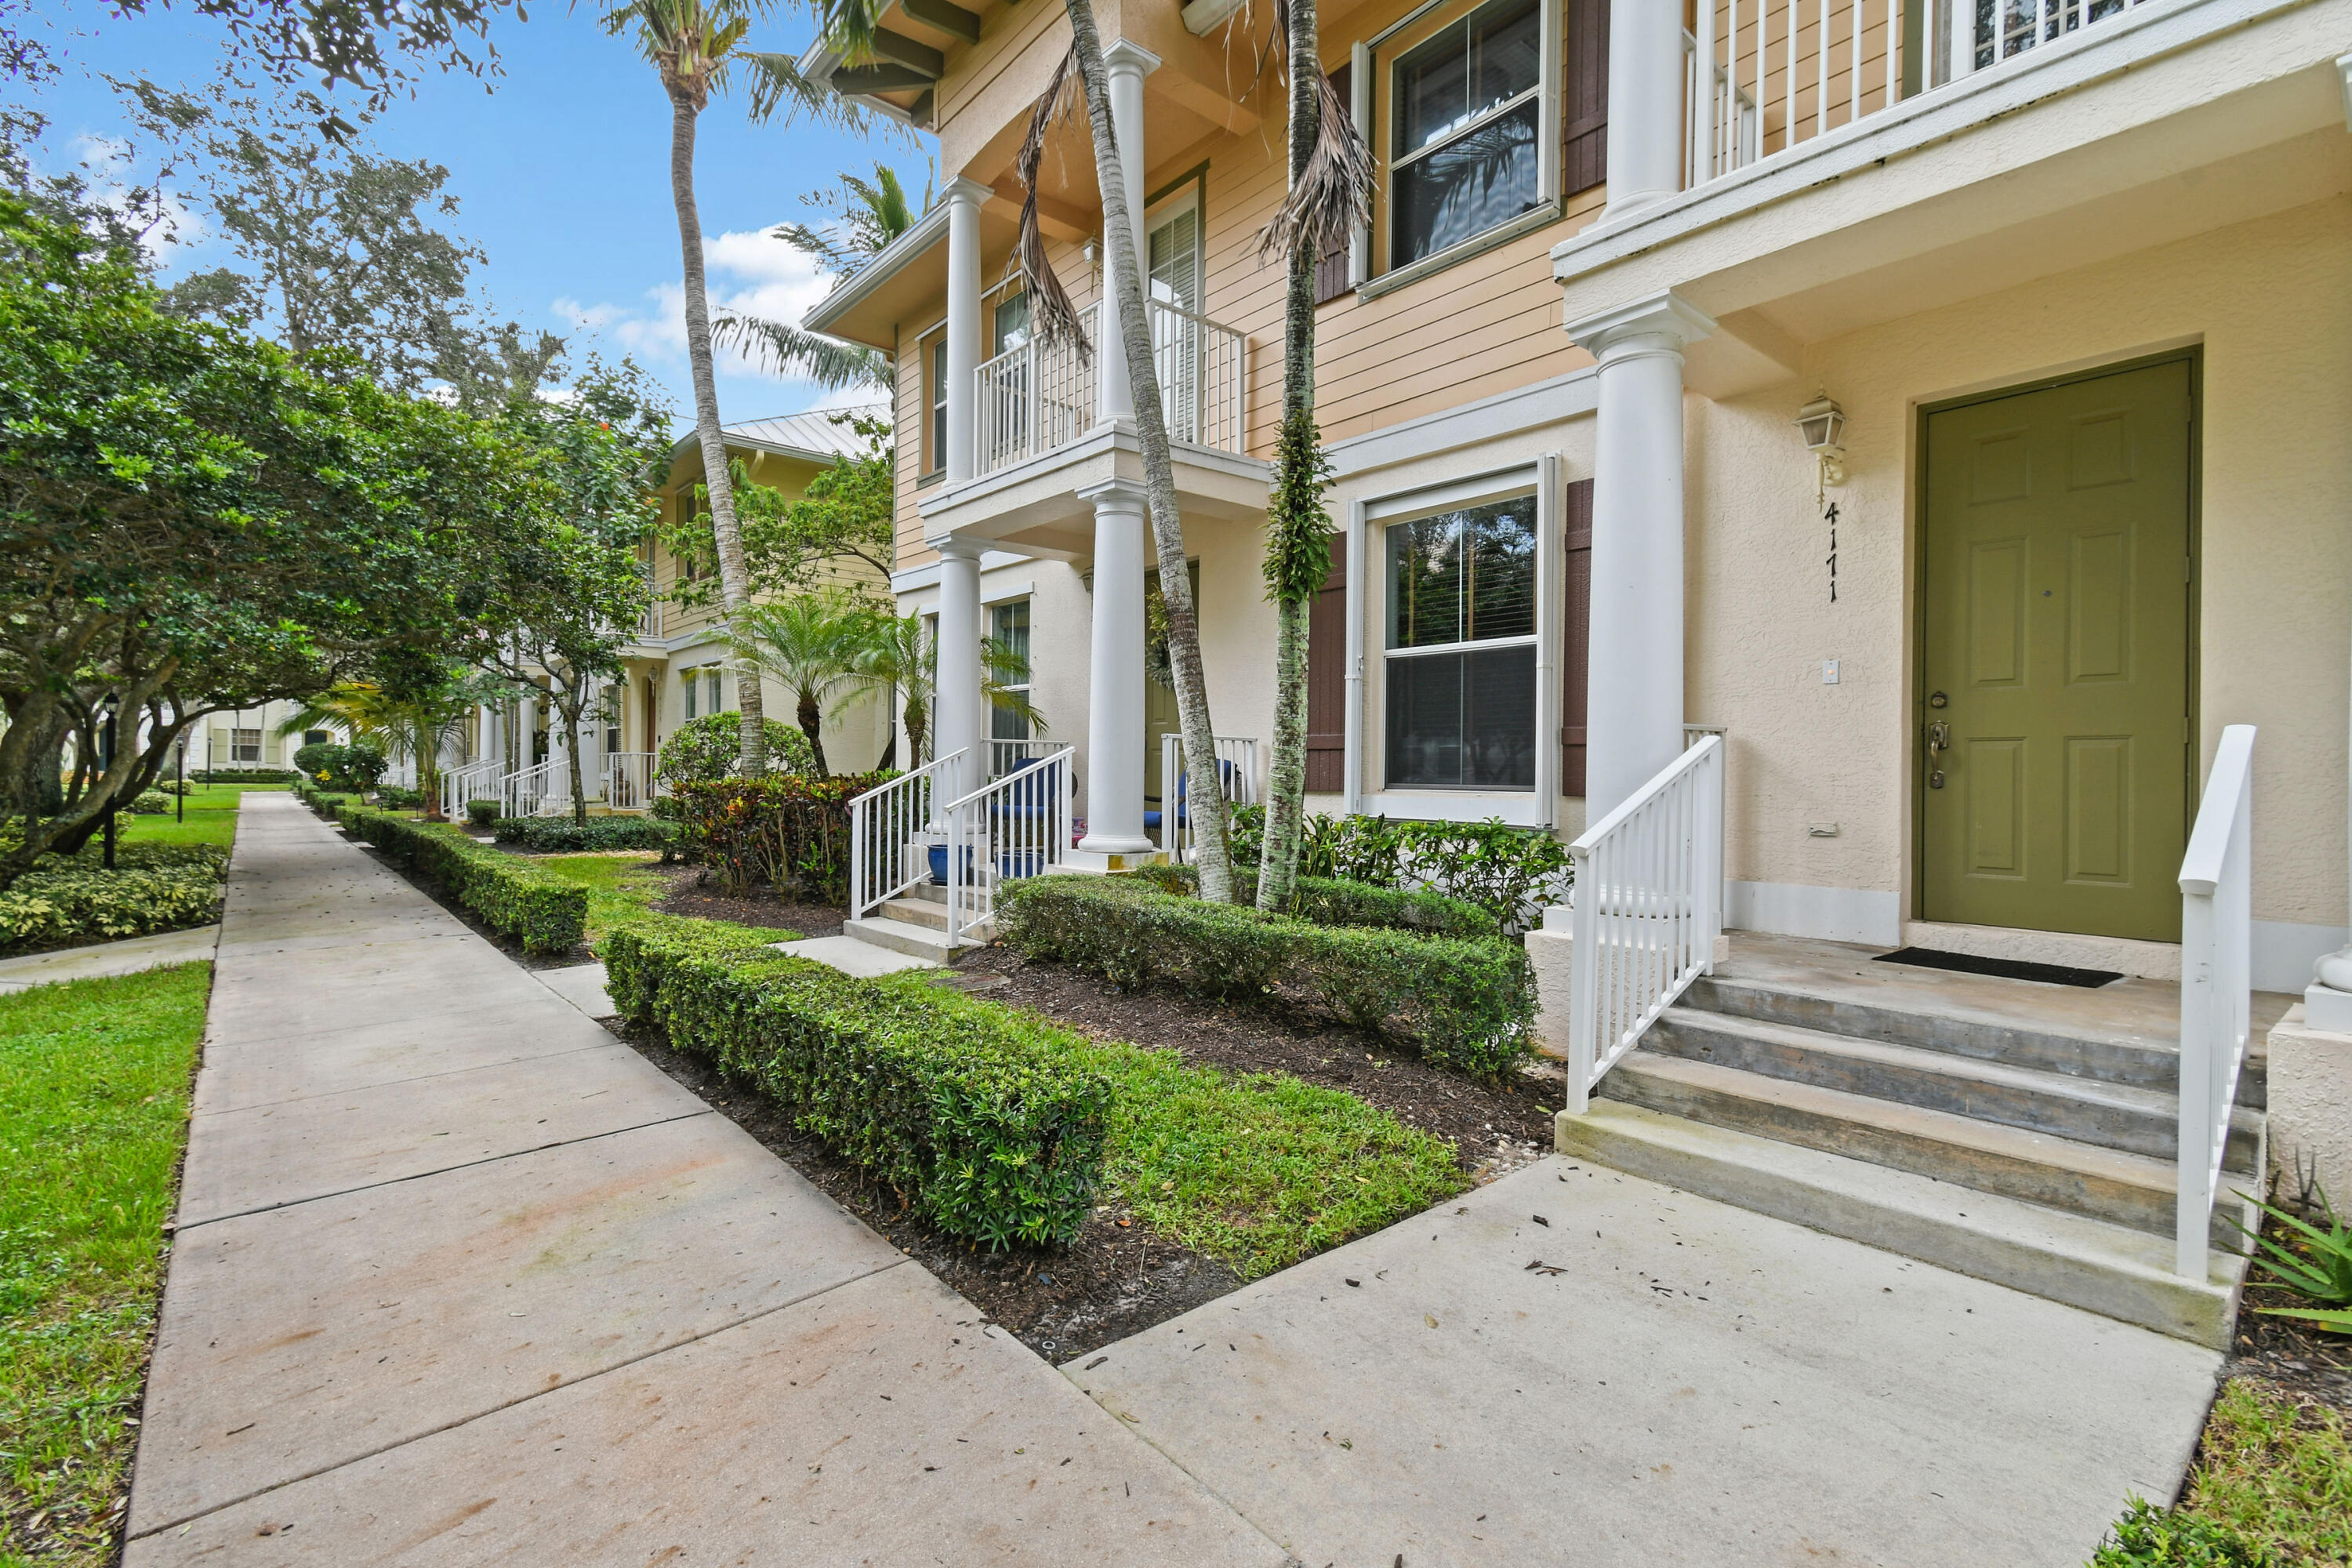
[{"x": 1940, "y": 739}]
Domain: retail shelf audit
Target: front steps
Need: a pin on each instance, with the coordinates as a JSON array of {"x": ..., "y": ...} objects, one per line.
[
  {"x": 1944, "y": 1122},
  {"x": 915, "y": 923}
]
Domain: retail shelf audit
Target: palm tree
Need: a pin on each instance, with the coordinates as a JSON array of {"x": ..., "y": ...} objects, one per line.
[
  {"x": 809, "y": 643},
  {"x": 413, "y": 728},
  {"x": 1330, "y": 192},
  {"x": 697, "y": 47},
  {"x": 870, "y": 214},
  {"x": 897, "y": 653}
]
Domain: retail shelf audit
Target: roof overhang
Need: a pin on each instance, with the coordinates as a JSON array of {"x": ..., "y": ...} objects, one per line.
[
  {"x": 692, "y": 445},
  {"x": 905, "y": 67},
  {"x": 868, "y": 307}
]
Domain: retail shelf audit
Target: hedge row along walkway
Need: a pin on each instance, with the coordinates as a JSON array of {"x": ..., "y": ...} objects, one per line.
[{"x": 458, "y": 1278}]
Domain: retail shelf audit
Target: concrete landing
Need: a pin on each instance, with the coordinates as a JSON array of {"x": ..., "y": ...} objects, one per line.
[
  {"x": 852, "y": 956},
  {"x": 1695, "y": 1384},
  {"x": 458, "y": 1280},
  {"x": 582, "y": 986},
  {"x": 106, "y": 959}
]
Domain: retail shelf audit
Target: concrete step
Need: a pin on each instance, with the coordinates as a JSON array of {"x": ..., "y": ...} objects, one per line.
[
  {"x": 926, "y": 891},
  {"x": 917, "y": 912},
  {"x": 2085, "y": 1110},
  {"x": 2102, "y": 1183},
  {"x": 1834, "y": 1007},
  {"x": 899, "y": 936},
  {"x": 2110, "y": 1270}
]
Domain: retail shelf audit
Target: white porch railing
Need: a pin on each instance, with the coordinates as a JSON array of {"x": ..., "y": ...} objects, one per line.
[
  {"x": 2216, "y": 985},
  {"x": 1645, "y": 912},
  {"x": 472, "y": 782},
  {"x": 1033, "y": 398},
  {"x": 538, "y": 790},
  {"x": 1003, "y": 756},
  {"x": 1237, "y": 777},
  {"x": 630, "y": 782},
  {"x": 1786, "y": 71},
  {"x": 891, "y": 830},
  {"x": 1203, "y": 371},
  {"x": 1015, "y": 827}
]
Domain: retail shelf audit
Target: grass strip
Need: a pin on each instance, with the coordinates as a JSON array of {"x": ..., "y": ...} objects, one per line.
[
  {"x": 622, "y": 891},
  {"x": 94, "y": 1084},
  {"x": 2278, "y": 1470},
  {"x": 211, "y": 819}
]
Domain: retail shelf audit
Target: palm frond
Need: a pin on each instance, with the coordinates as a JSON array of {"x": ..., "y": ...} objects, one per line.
[
  {"x": 788, "y": 350},
  {"x": 1052, "y": 318},
  {"x": 1331, "y": 199},
  {"x": 777, "y": 83},
  {"x": 848, "y": 27}
]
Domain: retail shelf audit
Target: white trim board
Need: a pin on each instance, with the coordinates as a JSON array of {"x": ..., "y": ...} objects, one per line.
[
  {"x": 1823, "y": 914},
  {"x": 915, "y": 579},
  {"x": 1533, "y": 407}
]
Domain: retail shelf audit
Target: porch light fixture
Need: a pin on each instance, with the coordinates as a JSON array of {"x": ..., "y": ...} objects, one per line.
[{"x": 1822, "y": 424}]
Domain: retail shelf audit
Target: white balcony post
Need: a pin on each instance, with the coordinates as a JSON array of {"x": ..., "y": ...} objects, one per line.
[
  {"x": 1127, "y": 64},
  {"x": 963, "y": 198},
  {"x": 1634, "y": 723},
  {"x": 1646, "y": 131},
  {"x": 526, "y": 728},
  {"x": 962, "y": 711},
  {"x": 1115, "y": 689}
]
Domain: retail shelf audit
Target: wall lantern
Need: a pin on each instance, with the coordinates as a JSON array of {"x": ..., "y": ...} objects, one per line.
[{"x": 1822, "y": 424}]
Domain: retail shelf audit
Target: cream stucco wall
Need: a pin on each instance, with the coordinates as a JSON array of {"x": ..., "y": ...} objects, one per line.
[{"x": 2270, "y": 302}]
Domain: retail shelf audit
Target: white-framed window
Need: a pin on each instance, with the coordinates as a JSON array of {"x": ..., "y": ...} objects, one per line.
[
  {"x": 1008, "y": 624},
  {"x": 1461, "y": 694},
  {"x": 688, "y": 684},
  {"x": 937, "y": 458},
  {"x": 244, "y": 745}
]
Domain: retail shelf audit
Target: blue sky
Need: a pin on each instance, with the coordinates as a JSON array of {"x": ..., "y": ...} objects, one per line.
[{"x": 563, "y": 171}]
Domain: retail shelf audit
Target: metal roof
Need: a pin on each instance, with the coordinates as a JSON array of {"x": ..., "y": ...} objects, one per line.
[{"x": 813, "y": 436}]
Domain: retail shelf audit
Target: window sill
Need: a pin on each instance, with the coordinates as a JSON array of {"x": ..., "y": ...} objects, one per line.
[
  {"x": 924, "y": 481},
  {"x": 1476, "y": 245},
  {"x": 1517, "y": 808}
]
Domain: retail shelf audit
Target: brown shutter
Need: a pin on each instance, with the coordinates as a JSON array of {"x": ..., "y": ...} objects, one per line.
[
  {"x": 1331, "y": 267},
  {"x": 1585, "y": 103},
  {"x": 1576, "y": 645},
  {"x": 1327, "y": 679}
]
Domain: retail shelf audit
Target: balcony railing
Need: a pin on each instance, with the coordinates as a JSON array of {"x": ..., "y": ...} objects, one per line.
[
  {"x": 1780, "y": 73},
  {"x": 1036, "y": 398}
]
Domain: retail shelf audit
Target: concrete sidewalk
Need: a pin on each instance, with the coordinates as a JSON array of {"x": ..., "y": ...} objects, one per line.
[
  {"x": 459, "y": 1279},
  {"x": 1653, "y": 1378},
  {"x": 105, "y": 959}
]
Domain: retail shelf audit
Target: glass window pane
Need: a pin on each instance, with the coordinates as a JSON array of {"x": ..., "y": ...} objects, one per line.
[
  {"x": 1012, "y": 323},
  {"x": 1175, "y": 261},
  {"x": 1424, "y": 721},
  {"x": 1483, "y": 177},
  {"x": 1425, "y": 582},
  {"x": 1499, "y": 717},
  {"x": 1505, "y": 54},
  {"x": 1501, "y": 542},
  {"x": 1433, "y": 90}
]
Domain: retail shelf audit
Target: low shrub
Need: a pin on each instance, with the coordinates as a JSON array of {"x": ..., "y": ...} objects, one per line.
[
  {"x": 151, "y": 803},
  {"x": 323, "y": 801},
  {"x": 1510, "y": 872},
  {"x": 560, "y": 833},
  {"x": 483, "y": 813},
  {"x": 171, "y": 786},
  {"x": 352, "y": 769},
  {"x": 244, "y": 776},
  {"x": 790, "y": 832},
  {"x": 1465, "y": 1003},
  {"x": 393, "y": 797},
  {"x": 1329, "y": 901},
  {"x": 74, "y": 898},
  {"x": 513, "y": 897},
  {"x": 991, "y": 1120},
  {"x": 704, "y": 748}
]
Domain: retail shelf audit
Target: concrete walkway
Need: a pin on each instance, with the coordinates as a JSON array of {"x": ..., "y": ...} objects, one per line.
[
  {"x": 1679, "y": 1382},
  {"x": 459, "y": 1279},
  {"x": 105, "y": 959}
]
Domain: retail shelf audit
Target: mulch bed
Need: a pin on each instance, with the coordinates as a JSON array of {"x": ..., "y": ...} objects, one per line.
[
  {"x": 1117, "y": 1278},
  {"x": 693, "y": 892},
  {"x": 2291, "y": 1353}
]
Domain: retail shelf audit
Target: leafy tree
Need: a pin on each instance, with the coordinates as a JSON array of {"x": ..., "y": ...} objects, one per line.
[
  {"x": 696, "y": 48},
  {"x": 867, "y": 216},
  {"x": 847, "y": 517},
  {"x": 413, "y": 715},
  {"x": 192, "y": 522},
  {"x": 704, "y": 748}
]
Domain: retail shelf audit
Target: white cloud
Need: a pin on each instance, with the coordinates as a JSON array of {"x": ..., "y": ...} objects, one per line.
[
  {"x": 749, "y": 273},
  {"x": 109, "y": 166}
]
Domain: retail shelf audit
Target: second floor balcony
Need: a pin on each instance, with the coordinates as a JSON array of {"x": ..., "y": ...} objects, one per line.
[{"x": 1036, "y": 398}]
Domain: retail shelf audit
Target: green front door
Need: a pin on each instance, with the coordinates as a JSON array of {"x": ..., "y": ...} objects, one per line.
[{"x": 2054, "y": 675}]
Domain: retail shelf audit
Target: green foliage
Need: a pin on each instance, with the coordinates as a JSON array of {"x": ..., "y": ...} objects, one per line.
[
  {"x": 94, "y": 1082},
  {"x": 562, "y": 834},
  {"x": 394, "y": 798},
  {"x": 1510, "y": 872},
  {"x": 70, "y": 898},
  {"x": 1297, "y": 525},
  {"x": 811, "y": 643},
  {"x": 513, "y": 897},
  {"x": 792, "y": 833},
  {"x": 2314, "y": 1264},
  {"x": 992, "y": 1122},
  {"x": 151, "y": 803},
  {"x": 844, "y": 518},
  {"x": 1331, "y": 901},
  {"x": 1468, "y": 1004},
  {"x": 244, "y": 776},
  {"x": 2147, "y": 1537},
  {"x": 2275, "y": 1469},
  {"x": 707, "y": 748},
  {"x": 483, "y": 813},
  {"x": 323, "y": 801}
]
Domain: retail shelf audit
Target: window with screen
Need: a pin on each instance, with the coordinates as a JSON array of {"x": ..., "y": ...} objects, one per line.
[
  {"x": 1008, "y": 624},
  {"x": 1461, "y": 648},
  {"x": 244, "y": 745},
  {"x": 1465, "y": 125}
]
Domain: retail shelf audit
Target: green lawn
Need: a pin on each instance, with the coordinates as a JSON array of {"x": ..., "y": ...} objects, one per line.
[
  {"x": 94, "y": 1082},
  {"x": 621, "y": 888},
  {"x": 212, "y": 818}
]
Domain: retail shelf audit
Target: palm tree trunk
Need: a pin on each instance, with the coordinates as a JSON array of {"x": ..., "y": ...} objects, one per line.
[
  {"x": 1204, "y": 796},
  {"x": 812, "y": 722},
  {"x": 1296, "y": 508},
  {"x": 734, "y": 581}
]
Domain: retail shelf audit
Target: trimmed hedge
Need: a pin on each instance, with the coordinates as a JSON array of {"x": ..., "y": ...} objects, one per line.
[
  {"x": 244, "y": 776},
  {"x": 323, "y": 801},
  {"x": 560, "y": 833},
  {"x": 1468, "y": 1004},
  {"x": 789, "y": 831},
  {"x": 514, "y": 898},
  {"x": 990, "y": 1121},
  {"x": 1331, "y": 901},
  {"x": 72, "y": 898}
]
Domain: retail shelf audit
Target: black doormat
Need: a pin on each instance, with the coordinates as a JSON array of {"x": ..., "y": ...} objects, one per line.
[{"x": 2000, "y": 968}]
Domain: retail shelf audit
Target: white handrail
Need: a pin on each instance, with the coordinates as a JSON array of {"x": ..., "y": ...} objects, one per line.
[
  {"x": 1644, "y": 913},
  {"x": 631, "y": 781},
  {"x": 526, "y": 792},
  {"x": 1237, "y": 778},
  {"x": 457, "y": 785},
  {"x": 891, "y": 829},
  {"x": 1203, "y": 372},
  {"x": 2216, "y": 986},
  {"x": 1032, "y": 398},
  {"x": 1003, "y": 756},
  {"x": 1015, "y": 827}
]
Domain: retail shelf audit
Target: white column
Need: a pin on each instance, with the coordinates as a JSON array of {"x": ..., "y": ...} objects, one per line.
[
  {"x": 963, "y": 198},
  {"x": 526, "y": 726},
  {"x": 485, "y": 733},
  {"x": 1646, "y": 105},
  {"x": 2327, "y": 1001},
  {"x": 1634, "y": 708},
  {"x": 1127, "y": 64},
  {"x": 1115, "y": 737},
  {"x": 961, "y": 714}
]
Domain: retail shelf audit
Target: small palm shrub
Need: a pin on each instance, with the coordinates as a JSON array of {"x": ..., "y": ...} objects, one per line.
[{"x": 483, "y": 813}]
